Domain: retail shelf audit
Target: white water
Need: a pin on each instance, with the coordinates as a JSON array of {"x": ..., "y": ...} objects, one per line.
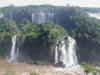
[
  {"x": 96, "y": 15},
  {"x": 14, "y": 53},
  {"x": 1, "y": 15},
  {"x": 50, "y": 17},
  {"x": 39, "y": 17},
  {"x": 32, "y": 17},
  {"x": 71, "y": 53},
  {"x": 42, "y": 17},
  {"x": 68, "y": 55},
  {"x": 56, "y": 55},
  {"x": 63, "y": 57}
]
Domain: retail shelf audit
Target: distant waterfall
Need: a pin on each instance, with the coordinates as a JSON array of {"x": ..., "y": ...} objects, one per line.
[
  {"x": 39, "y": 17},
  {"x": 14, "y": 50},
  {"x": 1, "y": 15},
  {"x": 67, "y": 54},
  {"x": 42, "y": 17},
  {"x": 50, "y": 17},
  {"x": 32, "y": 17}
]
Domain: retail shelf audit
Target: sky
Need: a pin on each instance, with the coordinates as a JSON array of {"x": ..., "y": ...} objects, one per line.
[{"x": 81, "y": 3}]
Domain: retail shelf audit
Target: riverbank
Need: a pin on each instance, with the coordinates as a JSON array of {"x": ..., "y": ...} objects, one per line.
[{"x": 25, "y": 69}]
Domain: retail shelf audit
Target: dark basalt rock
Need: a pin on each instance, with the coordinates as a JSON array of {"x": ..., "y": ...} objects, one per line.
[{"x": 60, "y": 64}]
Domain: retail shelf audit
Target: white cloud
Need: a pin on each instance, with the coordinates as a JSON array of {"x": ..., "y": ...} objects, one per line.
[{"x": 84, "y": 3}]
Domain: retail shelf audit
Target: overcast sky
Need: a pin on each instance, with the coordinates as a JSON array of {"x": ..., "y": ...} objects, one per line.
[{"x": 82, "y": 3}]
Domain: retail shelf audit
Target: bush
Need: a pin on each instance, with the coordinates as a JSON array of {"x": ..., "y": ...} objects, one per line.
[{"x": 90, "y": 69}]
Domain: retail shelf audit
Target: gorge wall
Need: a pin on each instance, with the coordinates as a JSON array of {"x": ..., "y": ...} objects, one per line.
[{"x": 38, "y": 38}]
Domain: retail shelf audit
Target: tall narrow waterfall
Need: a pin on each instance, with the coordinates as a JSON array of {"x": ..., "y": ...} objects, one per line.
[
  {"x": 56, "y": 55},
  {"x": 63, "y": 57},
  {"x": 14, "y": 52},
  {"x": 32, "y": 17},
  {"x": 71, "y": 53},
  {"x": 67, "y": 53}
]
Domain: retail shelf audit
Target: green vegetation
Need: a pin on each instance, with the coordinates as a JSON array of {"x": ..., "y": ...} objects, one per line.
[
  {"x": 85, "y": 29},
  {"x": 40, "y": 39},
  {"x": 9, "y": 72},
  {"x": 42, "y": 35},
  {"x": 7, "y": 25},
  {"x": 90, "y": 69},
  {"x": 80, "y": 25},
  {"x": 31, "y": 35},
  {"x": 33, "y": 73}
]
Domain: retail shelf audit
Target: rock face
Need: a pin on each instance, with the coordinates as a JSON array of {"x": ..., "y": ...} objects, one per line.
[
  {"x": 39, "y": 48},
  {"x": 89, "y": 55},
  {"x": 60, "y": 64},
  {"x": 5, "y": 46}
]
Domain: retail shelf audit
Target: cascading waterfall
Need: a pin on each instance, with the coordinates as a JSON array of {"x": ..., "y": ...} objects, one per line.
[
  {"x": 68, "y": 54},
  {"x": 14, "y": 50},
  {"x": 1, "y": 15},
  {"x": 50, "y": 16},
  {"x": 42, "y": 17},
  {"x": 13, "y": 54},
  {"x": 39, "y": 17},
  {"x": 71, "y": 53},
  {"x": 56, "y": 55},
  {"x": 32, "y": 17},
  {"x": 63, "y": 57}
]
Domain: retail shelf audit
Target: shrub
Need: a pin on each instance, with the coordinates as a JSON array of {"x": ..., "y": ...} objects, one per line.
[{"x": 90, "y": 69}]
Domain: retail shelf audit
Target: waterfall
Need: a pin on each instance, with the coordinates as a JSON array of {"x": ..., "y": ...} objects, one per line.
[
  {"x": 56, "y": 55},
  {"x": 1, "y": 15},
  {"x": 67, "y": 54},
  {"x": 63, "y": 57},
  {"x": 39, "y": 17},
  {"x": 71, "y": 53},
  {"x": 14, "y": 50},
  {"x": 50, "y": 17},
  {"x": 42, "y": 17},
  {"x": 32, "y": 17}
]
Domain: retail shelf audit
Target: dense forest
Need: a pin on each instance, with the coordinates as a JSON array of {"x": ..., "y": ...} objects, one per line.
[{"x": 70, "y": 20}]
